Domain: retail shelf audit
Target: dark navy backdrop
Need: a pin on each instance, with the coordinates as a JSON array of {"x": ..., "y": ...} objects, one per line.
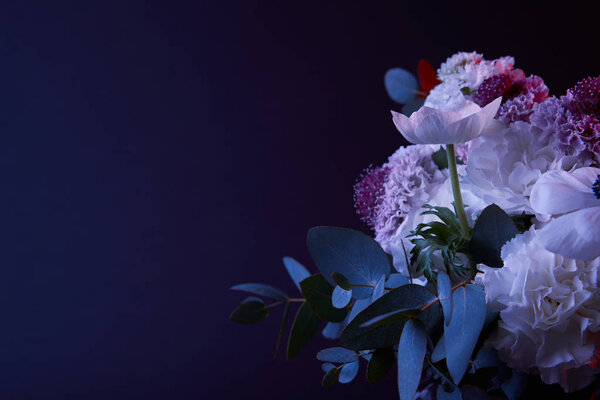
[{"x": 155, "y": 153}]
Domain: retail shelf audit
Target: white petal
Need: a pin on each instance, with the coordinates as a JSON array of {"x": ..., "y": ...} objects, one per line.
[
  {"x": 575, "y": 235},
  {"x": 490, "y": 110},
  {"x": 466, "y": 129},
  {"x": 559, "y": 192},
  {"x": 405, "y": 126},
  {"x": 468, "y": 108},
  {"x": 431, "y": 130}
]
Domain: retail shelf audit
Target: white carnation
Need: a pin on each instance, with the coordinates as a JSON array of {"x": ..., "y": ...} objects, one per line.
[
  {"x": 503, "y": 167},
  {"x": 446, "y": 96},
  {"x": 469, "y": 70},
  {"x": 549, "y": 311}
]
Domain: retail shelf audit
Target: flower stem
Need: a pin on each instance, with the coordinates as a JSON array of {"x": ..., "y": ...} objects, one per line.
[{"x": 458, "y": 202}]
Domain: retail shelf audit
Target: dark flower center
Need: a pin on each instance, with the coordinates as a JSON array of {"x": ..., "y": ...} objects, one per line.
[{"x": 596, "y": 187}]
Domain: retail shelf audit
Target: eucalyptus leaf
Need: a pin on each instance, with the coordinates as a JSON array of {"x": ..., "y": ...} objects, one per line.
[
  {"x": 348, "y": 372},
  {"x": 297, "y": 271},
  {"x": 379, "y": 288},
  {"x": 250, "y": 311},
  {"x": 445, "y": 295},
  {"x": 340, "y": 280},
  {"x": 284, "y": 319},
  {"x": 327, "y": 366},
  {"x": 380, "y": 363},
  {"x": 468, "y": 316},
  {"x": 492, "y": 230},
  {"x": 333, "y": 330},
  {"x": 340, "y": 297},
  {"x": 337, "y": 355},
  {"x": 401, "y": 85},
  {"x": 330, "y": 377},
  {"x": 407, "y": 297},
  {"x": 396, "y": 280},
  {"x": 262, "y": 289},
  {"x": 304, "y": 327},
  {"x": 411, "y": 353},
  {"x": 351, "y": 253},
  {"x": 439, "y": 352},
  {"x": 317, "y": 292},
  {"x": 443, "y": 395}
]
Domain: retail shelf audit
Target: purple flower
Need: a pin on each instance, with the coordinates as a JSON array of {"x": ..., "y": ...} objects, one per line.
[
  {"x": 519, "y": 94},
  {"x": 385, "y": 195},
  {"x": 368, "y": 191}
]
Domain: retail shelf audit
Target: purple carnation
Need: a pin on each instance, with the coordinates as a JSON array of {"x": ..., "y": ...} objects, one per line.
[
  {"x": 586, "y": 97},
  {"x": 368, "y": 191},
  {"x": 384, "y": 195},
  {"x": 519, "y": 94},
  {"x": 566, "y": 129},
  {"x": 411, "y": 179}
]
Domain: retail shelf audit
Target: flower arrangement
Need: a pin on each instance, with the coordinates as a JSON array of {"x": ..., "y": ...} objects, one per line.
[{"x": 483, "y": 272}]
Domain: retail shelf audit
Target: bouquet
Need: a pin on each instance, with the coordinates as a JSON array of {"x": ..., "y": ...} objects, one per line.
[{"x": 483, "y": 272}]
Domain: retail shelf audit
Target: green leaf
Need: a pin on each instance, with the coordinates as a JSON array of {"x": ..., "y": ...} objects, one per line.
[
  {"x": 330, "y": 377},
  {"x": 297, "y": 271},
  {"x": 523, "y": 221},
  {"x": 251, "y": 311},
  {"x": 304, "y": 328},
  {"x": 318, "y": 292},
  {"x": 380, "y": 363},
  {"x": 351, "y": 253},
  {"x": 411, "y": 353},
  {"x": 407, "y": 297},
  {"x": 284, "y": 319},
  {"x": 468, "y": 316},
  {"x": 440, "y": 158},
  {"x": 340, "y": 280},
  {"x": 262, "y": 289},
  {"x": 493, "y": 228}
]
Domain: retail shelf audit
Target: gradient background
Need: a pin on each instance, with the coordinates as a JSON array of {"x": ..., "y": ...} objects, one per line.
[{"x": 155, "y": 153}]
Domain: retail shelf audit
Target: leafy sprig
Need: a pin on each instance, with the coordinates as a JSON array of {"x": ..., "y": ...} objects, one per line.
[{"x": 445, "y": 237}]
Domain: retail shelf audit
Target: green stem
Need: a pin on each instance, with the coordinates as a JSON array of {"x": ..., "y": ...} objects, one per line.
[{"x": 458, "y": 202}]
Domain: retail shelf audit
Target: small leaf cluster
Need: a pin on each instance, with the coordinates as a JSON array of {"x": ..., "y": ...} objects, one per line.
[
  {"x": 444, "y": 236},
  {"x": 491, "y": 231}
]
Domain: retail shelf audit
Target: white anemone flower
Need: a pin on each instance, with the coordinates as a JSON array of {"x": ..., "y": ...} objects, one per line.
[
  {"x": 576, "y": 195},
  {"x": 432, "y": 126}
]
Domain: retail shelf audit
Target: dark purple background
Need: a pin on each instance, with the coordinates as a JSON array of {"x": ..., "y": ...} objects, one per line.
[{"x": 155, "y": 153}]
